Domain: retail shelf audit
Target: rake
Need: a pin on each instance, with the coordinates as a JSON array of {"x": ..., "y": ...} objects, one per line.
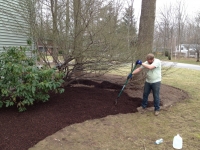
[{"x": 123, "y": 86}]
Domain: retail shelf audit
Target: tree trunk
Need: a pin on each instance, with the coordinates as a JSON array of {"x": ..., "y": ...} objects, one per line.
[
  {"x": 78, "y": 34},
  {"x": 54, "y": 11},
  {"x": 67, "y": 29},
  {"x": 146, "y": 28},
  {"x": 145, "y": 37},
  {"x": 197, "y": 55}
]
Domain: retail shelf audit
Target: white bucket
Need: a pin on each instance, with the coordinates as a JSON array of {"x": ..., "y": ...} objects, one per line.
[{"x": 177, "y": 142}]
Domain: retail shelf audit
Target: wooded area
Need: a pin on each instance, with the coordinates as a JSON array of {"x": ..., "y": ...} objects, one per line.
[
  {"x": 95, "y": 36},
  {"x": 175, "y": 27},
  {"x": 83, "y": 37}
]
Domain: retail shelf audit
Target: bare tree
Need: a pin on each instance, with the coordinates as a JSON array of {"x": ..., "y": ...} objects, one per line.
[
  {"x": 196, "y": 36},
  {"x": 171, "y": 27},
  {"x": 189, "y": 36},
  {"x": 54, "y": 13},
  {"x": 92, "y": 34},
  {"x": 130, "y": 24},
  {"x": 165, "y": 30},
  {"x": 181, "y": 18},
  {"x": 80, "y": 37}
]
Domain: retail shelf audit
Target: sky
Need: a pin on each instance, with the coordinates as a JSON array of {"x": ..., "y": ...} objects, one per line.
[{"x": 192, "y": 6}]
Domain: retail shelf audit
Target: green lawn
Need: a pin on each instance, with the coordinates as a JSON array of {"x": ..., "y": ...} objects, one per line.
[{"x": 182, "y": 118}]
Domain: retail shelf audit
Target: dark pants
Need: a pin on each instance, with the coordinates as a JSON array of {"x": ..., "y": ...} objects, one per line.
[{"x": 155, "y": 87}]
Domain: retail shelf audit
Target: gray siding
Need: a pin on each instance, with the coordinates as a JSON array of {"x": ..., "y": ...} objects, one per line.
[{"x": 13, "y": 27}]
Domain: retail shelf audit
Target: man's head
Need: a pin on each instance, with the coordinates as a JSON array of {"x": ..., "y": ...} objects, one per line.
[{"x": 150, "y": 58}]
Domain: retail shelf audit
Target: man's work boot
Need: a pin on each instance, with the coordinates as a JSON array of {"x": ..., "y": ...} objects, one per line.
[{"x": 156, "y": 113}]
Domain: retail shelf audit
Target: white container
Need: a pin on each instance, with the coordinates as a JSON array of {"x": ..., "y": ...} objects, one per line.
[{"x": 177, "y": 142}]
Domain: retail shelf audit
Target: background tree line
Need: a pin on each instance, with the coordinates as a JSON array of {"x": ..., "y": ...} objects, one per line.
[
  {"x": 174, "y": 27},
  {"x": 84, "y": 37},
  {"x": 88, "y": 36}
]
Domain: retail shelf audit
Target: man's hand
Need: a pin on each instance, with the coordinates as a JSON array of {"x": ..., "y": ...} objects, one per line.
[
  {"x": 129, "y": 76},
  {"x": 138, "y": 62}
]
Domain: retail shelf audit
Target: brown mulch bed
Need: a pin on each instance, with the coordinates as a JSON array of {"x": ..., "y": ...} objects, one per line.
[{"x": 20, "y": 131}]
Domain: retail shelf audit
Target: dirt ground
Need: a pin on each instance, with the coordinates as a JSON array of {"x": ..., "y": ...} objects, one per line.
[{"x": 81, "y": 101}]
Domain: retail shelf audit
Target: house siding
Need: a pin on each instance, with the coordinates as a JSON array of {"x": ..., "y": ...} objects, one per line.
[{"x": 13, "y": 27}]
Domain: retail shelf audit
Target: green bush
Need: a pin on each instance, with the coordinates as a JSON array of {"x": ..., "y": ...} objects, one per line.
[{"x": 22, "y": 83}]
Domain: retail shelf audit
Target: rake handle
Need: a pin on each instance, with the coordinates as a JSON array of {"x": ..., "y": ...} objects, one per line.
[{"x": 124, "y": 86}]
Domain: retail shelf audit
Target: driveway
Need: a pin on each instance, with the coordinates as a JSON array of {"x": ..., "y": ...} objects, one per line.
[{"x": 181, "y": 65}]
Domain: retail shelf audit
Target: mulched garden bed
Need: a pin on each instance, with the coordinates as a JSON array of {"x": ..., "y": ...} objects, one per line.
[{"x": 20, "y": 131}]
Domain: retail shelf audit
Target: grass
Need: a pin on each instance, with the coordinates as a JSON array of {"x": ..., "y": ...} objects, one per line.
[{"x": 139, "y": 131}]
